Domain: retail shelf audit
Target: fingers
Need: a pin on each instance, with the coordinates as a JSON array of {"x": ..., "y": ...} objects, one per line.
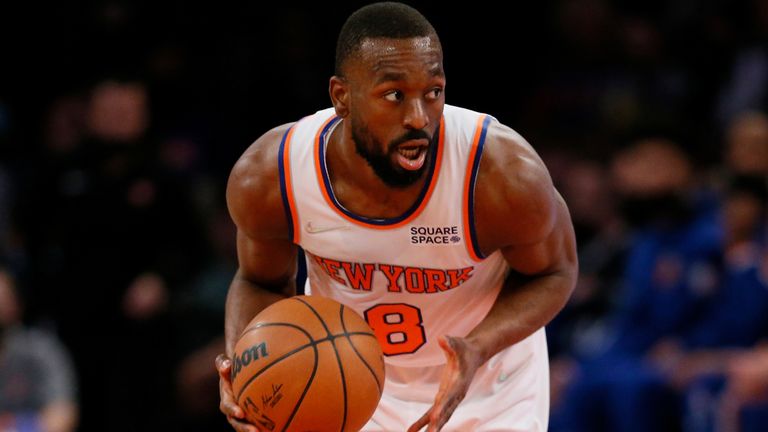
[
  {"x": 434, "y": 419},
  {"x": 447, "y": 343},
  {"x": 223, "y": 363},
  {"x": 420, "y": 423},
  {"x": 241, "y": 426},
  {"x": 441, "y": 415},
  {"x": 451, "y": 391},
  {"x": 228, "y": 406},
  {"x": 450, "y": 371}
]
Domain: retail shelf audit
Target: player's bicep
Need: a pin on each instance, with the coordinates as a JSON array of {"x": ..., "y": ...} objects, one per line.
[
  {"x": 269, "y": 263},
  {"x": 555, "y": 253}
]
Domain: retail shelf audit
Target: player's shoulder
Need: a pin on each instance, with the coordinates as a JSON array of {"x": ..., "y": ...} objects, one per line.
[
  {"x": 256, "y": 160},
  {"x": 514, "y": 184},
  {"x": 507, "y": 150},
  {"x": 253, "y": 189}
]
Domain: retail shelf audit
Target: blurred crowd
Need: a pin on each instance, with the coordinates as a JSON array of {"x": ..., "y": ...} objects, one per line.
[
  {"x": 666, "y": 329},
  {"x": 118, "y": 130}
]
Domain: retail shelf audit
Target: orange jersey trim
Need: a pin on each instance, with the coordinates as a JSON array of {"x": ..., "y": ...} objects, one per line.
[
  {"x": 324, "y": 183},
  {"x": 288, "y": 181},
  {"x": 473, "y": 165}
]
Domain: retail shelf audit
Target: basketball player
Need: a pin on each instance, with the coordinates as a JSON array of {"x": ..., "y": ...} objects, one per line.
[{"x": 437, "y": 224}]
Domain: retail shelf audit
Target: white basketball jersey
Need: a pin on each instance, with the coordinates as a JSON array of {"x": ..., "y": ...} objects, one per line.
[{"x": 415, "y": 277}]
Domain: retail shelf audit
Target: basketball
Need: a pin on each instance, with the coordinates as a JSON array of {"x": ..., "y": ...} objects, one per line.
[{"x": 308, "y": 363}]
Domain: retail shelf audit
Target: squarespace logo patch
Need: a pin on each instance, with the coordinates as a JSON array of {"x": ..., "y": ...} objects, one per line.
[{"x": 438, "y": 235}]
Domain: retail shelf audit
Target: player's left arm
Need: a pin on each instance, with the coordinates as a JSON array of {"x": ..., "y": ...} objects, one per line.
[{"x": 519, "y": 212}]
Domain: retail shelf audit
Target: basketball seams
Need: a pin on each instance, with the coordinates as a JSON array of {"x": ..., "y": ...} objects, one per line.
[
  {"x": 322, "y": 313},
  {"x": 272, "y": 324},
  {"x": 341, "y": 367},
  {"x": 314, "y": 311},
  {"x": 306, "y": 389},
  {"x": 311, "y": 343},
  {"x": 331, "y": 337},
  {"x": 357, "y": 353}
]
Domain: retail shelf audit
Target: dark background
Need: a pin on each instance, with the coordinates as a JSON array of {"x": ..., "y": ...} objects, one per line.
[
  {"x": 232, "y": 70},
  {"x": 581, "y": 77}
]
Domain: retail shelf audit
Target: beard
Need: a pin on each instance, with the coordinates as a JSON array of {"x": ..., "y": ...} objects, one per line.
[{"x": 381, "y": 161}]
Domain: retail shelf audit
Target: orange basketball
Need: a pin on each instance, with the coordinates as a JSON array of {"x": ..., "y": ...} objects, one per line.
[{"x": 308, "y": 363}]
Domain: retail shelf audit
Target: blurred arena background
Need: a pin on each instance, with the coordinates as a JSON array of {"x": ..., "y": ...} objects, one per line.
[{"x": 120, "y": 121}]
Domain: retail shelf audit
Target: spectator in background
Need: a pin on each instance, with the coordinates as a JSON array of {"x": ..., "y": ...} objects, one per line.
[
  {"x": 199, "y": 320},
  {"x": 684, "y": 368},
  {"x": 744, "y": 404},
  {"x": 116, "y": 233},
  {"x": 37, "y": 380},
  {"x": 671, "y": 268},
  {"x": 670, "y": 273},
  {"x": 746, "y": 86},
  {"x": 693, "y": 364},
  {"x": 11, "y": 249},
  {"x": 602, "y": 241},
  {"x": 746, "y": 144}
]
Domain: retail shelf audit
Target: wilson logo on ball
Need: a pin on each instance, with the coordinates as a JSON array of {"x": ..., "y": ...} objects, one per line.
[
  {"x": 325, "y": 370},
  {"x": 253, "y": 353}
]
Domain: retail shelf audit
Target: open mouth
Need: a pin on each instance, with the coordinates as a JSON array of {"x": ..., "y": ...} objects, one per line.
[{"x": 411, "y": 155}]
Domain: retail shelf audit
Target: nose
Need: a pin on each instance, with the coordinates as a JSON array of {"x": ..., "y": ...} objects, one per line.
[{"x": 415, "y": 115}]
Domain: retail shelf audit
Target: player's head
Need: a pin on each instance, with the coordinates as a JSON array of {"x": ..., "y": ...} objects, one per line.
[{"x": 388, "y": 86}]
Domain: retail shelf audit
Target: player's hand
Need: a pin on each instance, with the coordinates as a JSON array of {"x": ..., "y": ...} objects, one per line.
[
  {"x": 462, "y": 363},
  {"x": 228, "y": 406}
]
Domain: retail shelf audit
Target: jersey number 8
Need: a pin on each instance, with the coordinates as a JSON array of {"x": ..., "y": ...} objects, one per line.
[{"x": 397, "y": 326}]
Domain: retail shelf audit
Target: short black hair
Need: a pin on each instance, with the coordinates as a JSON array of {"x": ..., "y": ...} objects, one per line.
[{"x": 380, "y": 20}]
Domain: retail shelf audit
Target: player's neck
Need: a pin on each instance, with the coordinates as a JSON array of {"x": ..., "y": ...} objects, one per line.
[{"x": 357, "y": 186}]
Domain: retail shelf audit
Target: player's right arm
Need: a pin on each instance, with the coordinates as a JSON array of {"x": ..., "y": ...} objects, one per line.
[{"x": 266, "y": 254}]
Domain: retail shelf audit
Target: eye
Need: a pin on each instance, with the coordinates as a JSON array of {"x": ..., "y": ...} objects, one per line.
[
  {"x": 394, "y": 96},
  {"x": 435, "y": 93}
]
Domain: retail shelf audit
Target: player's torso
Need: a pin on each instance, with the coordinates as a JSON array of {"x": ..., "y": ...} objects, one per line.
[{"x": 414, "y": 277}]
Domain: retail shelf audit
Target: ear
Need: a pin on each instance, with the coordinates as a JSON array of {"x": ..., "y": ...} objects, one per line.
[{"x": 339, "y": 92}]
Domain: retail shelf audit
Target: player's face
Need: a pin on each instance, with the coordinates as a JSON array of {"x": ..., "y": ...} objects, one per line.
[{"x": 396, "y": 102}]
